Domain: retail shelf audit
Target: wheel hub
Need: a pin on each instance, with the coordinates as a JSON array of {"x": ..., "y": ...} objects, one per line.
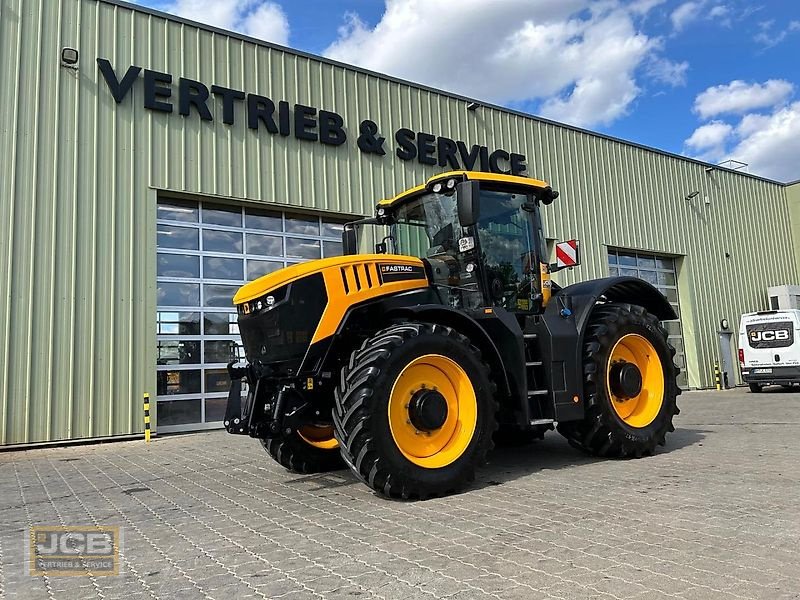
[
  {"x": 625, "y": 380},
  {"x": 427, "y": 410}
]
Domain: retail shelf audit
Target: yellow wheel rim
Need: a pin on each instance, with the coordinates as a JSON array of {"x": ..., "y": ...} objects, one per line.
[
  {"x": 318, "y": 436},
  {"x": 640, "y": 410},
  {"x": 442, "y": 446}
]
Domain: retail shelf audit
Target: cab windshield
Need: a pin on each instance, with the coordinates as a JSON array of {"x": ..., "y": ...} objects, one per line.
[
  {"x": 426, "y": 226},
  {"x": 505, "y": 254}
]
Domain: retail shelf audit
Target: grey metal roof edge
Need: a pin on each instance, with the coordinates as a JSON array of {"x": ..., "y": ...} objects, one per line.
[
  {"x": 790, "y": 183},
  {"x": 466, "y": 99}
]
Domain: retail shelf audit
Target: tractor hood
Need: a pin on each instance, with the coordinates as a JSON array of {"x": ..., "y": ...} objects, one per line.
[
  {"x": 348, "y": 280},
  {"x": 389, "y": 263}
]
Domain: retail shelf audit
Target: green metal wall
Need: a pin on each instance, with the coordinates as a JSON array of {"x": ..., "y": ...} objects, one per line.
[
  {"x": 79, "y": 178},
  {"x": 793, "y": 196}
]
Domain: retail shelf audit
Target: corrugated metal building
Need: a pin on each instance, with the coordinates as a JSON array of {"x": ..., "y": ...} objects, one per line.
[{"x": 131, "y": 205}]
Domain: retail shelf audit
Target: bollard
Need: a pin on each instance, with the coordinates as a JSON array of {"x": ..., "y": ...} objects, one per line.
[
  {"x": 717, "y": 376},
  {"x": 147, "y": 418}
]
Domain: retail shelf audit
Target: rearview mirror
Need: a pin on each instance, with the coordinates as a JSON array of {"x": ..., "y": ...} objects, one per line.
[
  {"x": 468, "y": 194},
  {"x": 568, "y": 255},
  {"x": 349, "y": 240}
]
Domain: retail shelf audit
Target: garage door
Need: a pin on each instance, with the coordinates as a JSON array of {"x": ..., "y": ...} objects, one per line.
[
  {"x": 661, "y": 272},
  {"x": 204, "y": 253}
]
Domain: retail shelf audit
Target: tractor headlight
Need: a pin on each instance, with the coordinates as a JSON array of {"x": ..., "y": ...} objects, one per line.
[
  {"x": 437, "y": 188},
  {"x": 451, "y": 184},
  {"x": 264, "y": 303}
]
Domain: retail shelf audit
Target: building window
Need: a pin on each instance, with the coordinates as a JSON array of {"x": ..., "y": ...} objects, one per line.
[
  {"x": 662, "y": 273},
  {"x": 205, "y": 252}
]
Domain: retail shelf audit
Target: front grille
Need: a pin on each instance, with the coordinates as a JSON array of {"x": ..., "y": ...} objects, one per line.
[{"x": 281, "y": 334}]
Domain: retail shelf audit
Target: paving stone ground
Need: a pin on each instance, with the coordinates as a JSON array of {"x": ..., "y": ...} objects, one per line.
[{"x": 715, "y": 514}]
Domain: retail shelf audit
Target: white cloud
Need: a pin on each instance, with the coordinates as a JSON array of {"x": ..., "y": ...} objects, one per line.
[
  {"x": 722, "y": 14},
  {"x": 710, "y": 136},
  {"x": 768, "y": 140},
  {"x": 267, "y": 22},
  {"x": 719, "y": 11},
  {"x": 257, "y": 18},
  {"x": 685, "y": 14},
  {"x": 771, "y": 144},
  {"x": 689, "y": 13},
  {"x": 579, "y": 58},
  {"x": 645, "y": 6},
  {"x": 769, "y": 36},
  {"x": 667, "y": 71},
  {"x": 739, "y": 97}
]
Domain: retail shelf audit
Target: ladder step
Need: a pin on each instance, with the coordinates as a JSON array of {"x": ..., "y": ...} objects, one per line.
[
  {"x": 534, "y": 363},
  {"x": 530, "y": 336},
  {"x": 538, "y": 392},
  {"x": 542, "y": 422}
]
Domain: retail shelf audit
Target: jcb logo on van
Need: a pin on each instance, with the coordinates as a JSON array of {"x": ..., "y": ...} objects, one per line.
[{"x": 769, "y": 336}]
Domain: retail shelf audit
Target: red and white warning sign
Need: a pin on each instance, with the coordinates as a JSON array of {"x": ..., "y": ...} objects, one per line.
[{"x": 567, "y": 254}]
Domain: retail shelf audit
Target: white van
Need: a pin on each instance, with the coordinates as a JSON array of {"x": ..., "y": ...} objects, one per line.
[{"x": 769, "y": 348}]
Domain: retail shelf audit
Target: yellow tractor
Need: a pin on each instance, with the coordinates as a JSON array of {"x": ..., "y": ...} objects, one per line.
[{"x": 406, "y": 362}]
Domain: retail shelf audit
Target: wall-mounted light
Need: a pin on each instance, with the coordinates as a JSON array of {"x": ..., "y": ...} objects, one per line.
[
  {"x": 692, "y": 195},
  {"x": 471, "y": 106},
  {"x": 724, "y": 325},
  {"x": 69, "y": 57},
  {"x": 709, "y": 169}
]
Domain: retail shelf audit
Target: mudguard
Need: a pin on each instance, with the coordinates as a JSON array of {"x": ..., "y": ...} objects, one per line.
[{"x": 565, "y": 321}]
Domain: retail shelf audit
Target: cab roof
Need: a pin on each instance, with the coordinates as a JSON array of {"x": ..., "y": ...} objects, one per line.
[{"x": 509, "y": 180}]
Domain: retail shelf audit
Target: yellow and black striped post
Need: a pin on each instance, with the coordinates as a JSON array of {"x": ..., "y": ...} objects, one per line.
[
  {"x": 147, "y": 418},
  {"x": 717, "y": 376}
]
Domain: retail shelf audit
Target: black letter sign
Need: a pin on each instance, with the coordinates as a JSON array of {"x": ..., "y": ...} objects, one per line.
[
  {"x": 260, "y": 109},
  {"x": 331, "y": 128},
  {"x": 119, "y": 89},
  {"x": 153, "y": 90},
  {"x": 406, "y": 150},
  {"x": 303, "y": 121},
  {"x": 426, "y": 148},
  {"x": 229, "y": 97},
  {"x": 193, "y": 93}
]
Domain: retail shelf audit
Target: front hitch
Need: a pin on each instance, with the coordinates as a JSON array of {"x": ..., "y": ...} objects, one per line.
[
  {"x": 233, "y": 411},
  {"x": 265, "y": 413}
]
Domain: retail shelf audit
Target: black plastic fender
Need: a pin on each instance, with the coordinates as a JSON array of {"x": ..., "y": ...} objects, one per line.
[
  {"x": 565, "y": 320},
  {"x": 632, "y": 290},
  {"x": 466, "y": 325}
]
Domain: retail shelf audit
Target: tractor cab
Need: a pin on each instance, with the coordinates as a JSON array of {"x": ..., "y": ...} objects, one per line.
[{"x": 480, "y": 235}]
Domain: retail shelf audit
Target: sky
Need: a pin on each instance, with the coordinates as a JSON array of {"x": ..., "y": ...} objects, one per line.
[{"x": 716, "y": 80}]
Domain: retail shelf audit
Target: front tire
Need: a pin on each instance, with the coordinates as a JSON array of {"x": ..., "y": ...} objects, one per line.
[
  {"x": 415, "y": 411},
  {"x": 618, "y": 421},
  {"x": 756, "y": 388},
  {"x": 312, "y": 449}
]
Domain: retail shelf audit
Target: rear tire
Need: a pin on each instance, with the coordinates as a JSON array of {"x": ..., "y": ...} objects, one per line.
[
  {"x": 620, "y": 427},
  {"x": 300, "y": 455},
  {"x": 391, "y": 371},
  {"x": 756, "y": 388}
]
